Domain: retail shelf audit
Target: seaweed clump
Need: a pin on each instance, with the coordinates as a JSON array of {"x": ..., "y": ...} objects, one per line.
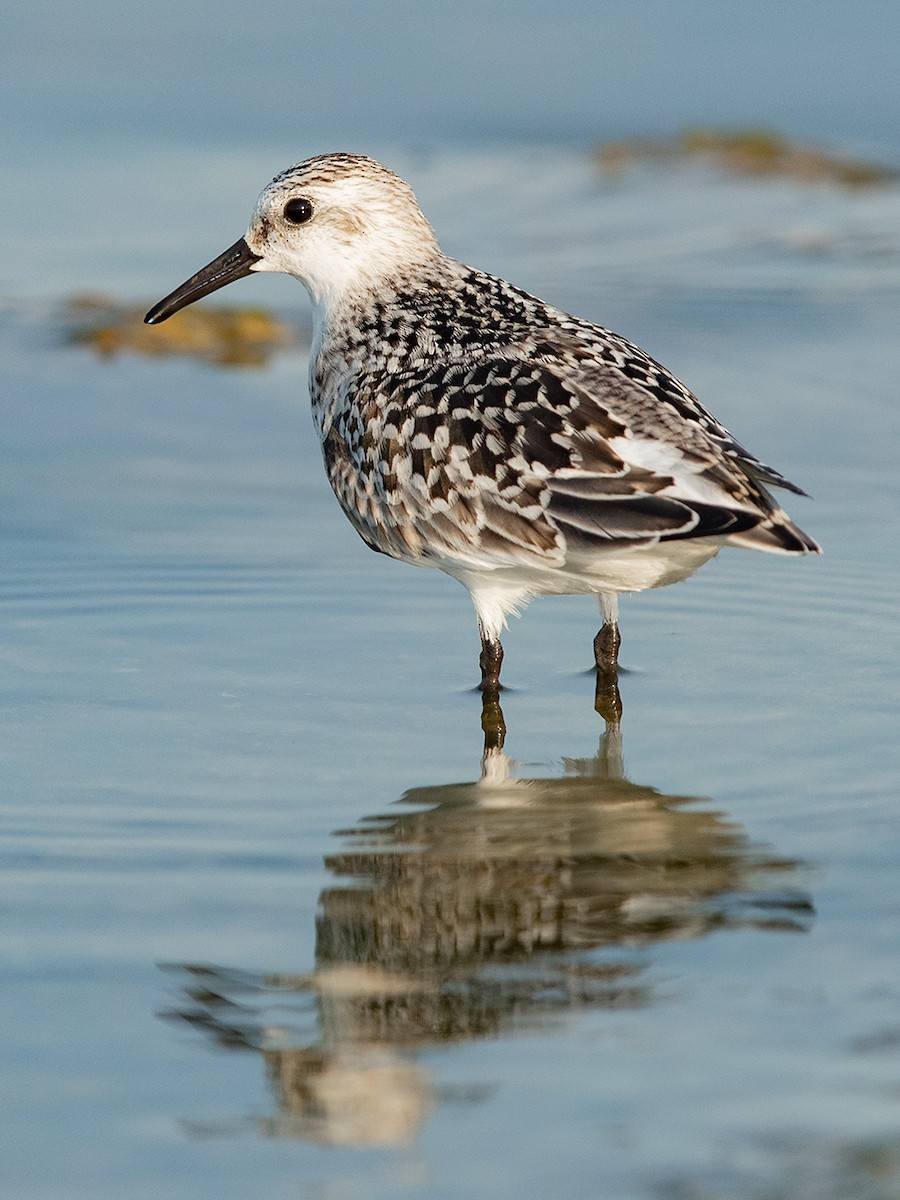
[
  {"x": 759, "y": 153},
  {"x": 224, "y": 337}
]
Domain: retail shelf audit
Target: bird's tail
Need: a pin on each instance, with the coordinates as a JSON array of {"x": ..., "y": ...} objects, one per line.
[{"x": 777, "y": 534}]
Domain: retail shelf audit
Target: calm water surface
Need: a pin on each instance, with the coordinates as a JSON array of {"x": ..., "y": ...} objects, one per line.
[{"x": 276, "y": 924}]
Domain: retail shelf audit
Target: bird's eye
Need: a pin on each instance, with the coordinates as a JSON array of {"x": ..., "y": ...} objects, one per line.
[{"x": 298, "y": 211}]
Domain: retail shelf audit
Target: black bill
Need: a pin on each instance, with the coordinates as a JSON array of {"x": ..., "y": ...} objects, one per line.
[{"x": 235, "y": 263}]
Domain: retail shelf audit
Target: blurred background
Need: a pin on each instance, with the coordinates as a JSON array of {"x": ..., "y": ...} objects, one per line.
[
  {"x": 132, "y": 119},
  {"x": 276, "y": 921}
]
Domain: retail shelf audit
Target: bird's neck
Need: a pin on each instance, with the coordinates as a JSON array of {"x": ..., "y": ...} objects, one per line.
[{"x": 393, "y": 304}]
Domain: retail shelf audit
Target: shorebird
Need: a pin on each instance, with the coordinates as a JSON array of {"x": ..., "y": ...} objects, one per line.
[{"x": 470, "y": 426}]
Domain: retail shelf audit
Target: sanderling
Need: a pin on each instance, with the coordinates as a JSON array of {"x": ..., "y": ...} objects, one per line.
[{"x": 469, "y": 426}]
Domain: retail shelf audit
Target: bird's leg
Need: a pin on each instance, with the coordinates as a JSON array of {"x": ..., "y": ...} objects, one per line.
[
  {"x": 608, "y": 640},
  {"x": 607, "y": 700},
  {"x": 490, "y": 661},
  {"x": 606, "y": 647},
  {"x": 492, "y": 722}
]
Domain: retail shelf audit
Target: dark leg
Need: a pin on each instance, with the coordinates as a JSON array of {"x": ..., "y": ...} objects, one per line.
[
  {"x": 490, "y": 660},
  {"x": 606, "y": 655},
  {"x": 606, "y": 647},
  {"x": 491, "y": 714}
]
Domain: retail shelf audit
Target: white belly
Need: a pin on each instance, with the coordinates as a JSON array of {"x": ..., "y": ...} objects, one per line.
[{"x": 503, "y": 591}]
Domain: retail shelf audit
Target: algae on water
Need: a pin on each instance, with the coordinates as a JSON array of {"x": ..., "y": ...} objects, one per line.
[
  {"x": 753, "y": 152},
  {"x": 225, "y": 337}
]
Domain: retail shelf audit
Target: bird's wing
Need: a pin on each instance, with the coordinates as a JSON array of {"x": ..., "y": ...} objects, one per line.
[
  {"x": 670, "y": 448},
  {"x": 517, "y": 458}
]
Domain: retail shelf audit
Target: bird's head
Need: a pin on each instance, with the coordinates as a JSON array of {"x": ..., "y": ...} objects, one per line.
[{"x": 340, "y": 223}]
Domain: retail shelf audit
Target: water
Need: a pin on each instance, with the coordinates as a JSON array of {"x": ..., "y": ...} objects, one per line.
[{"x": 276, "y": 924}]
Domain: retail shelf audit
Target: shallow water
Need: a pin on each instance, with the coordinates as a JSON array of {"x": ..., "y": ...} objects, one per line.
[{"x": 275, "y": 924}]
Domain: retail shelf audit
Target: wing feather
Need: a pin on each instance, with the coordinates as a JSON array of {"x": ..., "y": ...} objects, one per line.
[{"x": 521, "y": 458}]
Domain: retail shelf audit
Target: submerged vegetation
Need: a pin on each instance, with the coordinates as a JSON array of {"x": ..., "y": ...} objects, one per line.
[
  {"x": 753, "y": 152},
  {"x": 225, "y": 337}
]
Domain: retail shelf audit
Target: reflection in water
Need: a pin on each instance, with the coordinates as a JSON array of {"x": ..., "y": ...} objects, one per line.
[{"x": 475, "y": 909}]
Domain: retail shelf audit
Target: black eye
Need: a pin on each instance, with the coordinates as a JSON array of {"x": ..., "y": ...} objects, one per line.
[{"x": 298, "y": 211}]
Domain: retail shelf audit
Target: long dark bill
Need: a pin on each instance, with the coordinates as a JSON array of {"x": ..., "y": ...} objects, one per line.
[{"x": 235, "y": 263}]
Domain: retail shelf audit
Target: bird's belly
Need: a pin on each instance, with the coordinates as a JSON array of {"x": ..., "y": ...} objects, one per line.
[
  {"x": 624, "y": 570},
  {"x": 641, "y": 567}
]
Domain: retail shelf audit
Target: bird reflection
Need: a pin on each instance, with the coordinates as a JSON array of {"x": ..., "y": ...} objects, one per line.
[{"x": 478, "y": 909}]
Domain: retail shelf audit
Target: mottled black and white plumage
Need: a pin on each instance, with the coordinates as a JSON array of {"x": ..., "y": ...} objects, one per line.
[{"x": 469, "y": 426}]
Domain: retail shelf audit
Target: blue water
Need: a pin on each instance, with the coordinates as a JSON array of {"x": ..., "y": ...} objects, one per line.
[{"x": 274, "y": 922}]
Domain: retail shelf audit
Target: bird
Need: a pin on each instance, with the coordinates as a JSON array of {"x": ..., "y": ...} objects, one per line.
[{"x": 470, "y": 426}]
